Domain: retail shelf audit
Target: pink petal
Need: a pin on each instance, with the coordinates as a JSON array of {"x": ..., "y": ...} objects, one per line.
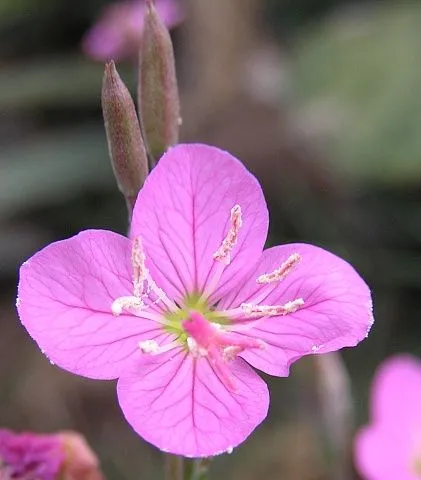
[
  {"x": 178, "y": 403},
  {"x": 384, "y": 455},
  {"x": 183, "y": 214},
  {"x": 65, "y": 295},
  {"x": 337, "y": 309},
  {"x": 396, "y": 393}
]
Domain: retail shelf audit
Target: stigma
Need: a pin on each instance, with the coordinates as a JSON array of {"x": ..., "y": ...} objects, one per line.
[{"x": 219, "y": 346}]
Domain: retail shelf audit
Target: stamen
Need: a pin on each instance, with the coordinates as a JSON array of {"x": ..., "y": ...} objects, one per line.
[
  {"x": 152, "y": 347},
  {"x": 124, "y": 303},
  {"x": 143, "y": 286},
  {"x": 229, "y": 353},
  {"x": 223, "y": 254},
  {"x": 149, "y": 346},
  {"x": 281, "y": 272},
  {"x": 139, "y": 268},
  {"x": 195, "y": 349},
  {"x": 272, "y": 310}
]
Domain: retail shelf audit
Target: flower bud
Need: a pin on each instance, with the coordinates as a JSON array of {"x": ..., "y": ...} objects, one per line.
[
  {"x": 159, "y": 104},
  {"x": 125, "y": 143}
]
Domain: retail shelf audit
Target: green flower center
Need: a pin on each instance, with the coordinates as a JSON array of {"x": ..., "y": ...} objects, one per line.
[{"x": 193, "y": 302}]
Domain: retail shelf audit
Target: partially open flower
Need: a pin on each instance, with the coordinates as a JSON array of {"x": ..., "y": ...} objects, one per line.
[
  {"x": 32, "y": 456},
  {"x": 118, "y": 32},
  {"x": 389, "y": 447},
  {"x": 180, "y": 311}
]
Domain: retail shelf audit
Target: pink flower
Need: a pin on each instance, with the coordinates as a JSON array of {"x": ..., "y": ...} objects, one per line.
[
  {"x": 389, "y": 448},
  {"x": 118, "y": 32},
  {"x": 180, "y": 311},
  {"x": 28, "y": 456},
  {"x": 31, "y": 456}
]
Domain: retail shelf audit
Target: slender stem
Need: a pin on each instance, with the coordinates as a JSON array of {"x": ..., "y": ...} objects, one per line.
[
  {"x": 200, "y": 469},
  {"x": 333, "y": 388},
  {"x": 174, "y": 467}
]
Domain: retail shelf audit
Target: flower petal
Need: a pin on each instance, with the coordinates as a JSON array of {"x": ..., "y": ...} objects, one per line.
[
  {"x": 178, "y": 403},
  {"x": 337, "y": 310},
  {"x": 183, "y": 214},
  {"x": 396, "y": 392},
  {"x": 65, "y": 295},
  {"x": 381, "y": 454}
]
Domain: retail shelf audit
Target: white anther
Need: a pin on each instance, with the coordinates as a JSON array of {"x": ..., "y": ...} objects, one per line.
[
  {"x": 229, "y": 353},
  {"x": 152, "y": 347},
  {"x": 272, "y": 310},
  {"x": 123, "y": 303},
  {"x": 143, "y": 285},
  {"x": 223, "y": 254},
  {"x": 281, "y": 272},
  {"x": 149, "y": 346},
  {"x": 195, "y": 349}
]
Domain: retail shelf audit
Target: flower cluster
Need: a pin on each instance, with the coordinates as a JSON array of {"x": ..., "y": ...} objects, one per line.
[{"x": 183, "y": 309}]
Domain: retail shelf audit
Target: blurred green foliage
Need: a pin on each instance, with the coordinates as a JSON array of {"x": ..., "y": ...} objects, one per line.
[{"x": 360, "y": 67}]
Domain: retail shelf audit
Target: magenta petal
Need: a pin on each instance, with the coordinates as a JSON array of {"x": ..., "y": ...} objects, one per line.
[
  {"x": 337, "y": 310},
  {"x": 397, "y": 390},
  {"x": 390, "y": 447},
  {"x": 381, "y": 454},
  {"x": 183, "y": 213},
  {"x": 178, "y": 403},
  {"x": 65, "y": 295}
]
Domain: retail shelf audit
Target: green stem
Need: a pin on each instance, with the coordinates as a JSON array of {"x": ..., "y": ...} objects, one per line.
[
  {"x": 174, "y": 467},
  {"x": 200, "y": 469}
]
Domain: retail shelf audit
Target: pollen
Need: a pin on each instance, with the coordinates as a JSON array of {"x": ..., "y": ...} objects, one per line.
[
  {"x": 281, "y": 272},
  {"x": 272, "y": 310},
  {"x": 223, "y": 254},
  {"x": 124, "y": 303},
  {"x": 149, "y": 346},
  {"x": 139, "y": 268},
  {"x": 143, "y": 285}
]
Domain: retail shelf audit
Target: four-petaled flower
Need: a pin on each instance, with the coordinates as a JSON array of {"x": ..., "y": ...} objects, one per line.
[
  {"x": 389, "y": 448},
  {"x": 179, "y": 311},
  {"x": 118, "y": 32}
]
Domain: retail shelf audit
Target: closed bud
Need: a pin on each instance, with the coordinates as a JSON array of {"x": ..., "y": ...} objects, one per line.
[
  {"x": 159, "y": 104},
  {"x": 125, "y": 143}
]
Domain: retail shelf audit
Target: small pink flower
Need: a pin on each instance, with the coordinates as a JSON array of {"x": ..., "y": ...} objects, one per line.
[
  {"x": 389, "y": 448},
  {"x": 32, "y": 456},
  {"x": 179, "y": 312},
  {"x": 29, "y": 456},
  {"x": 118, "y": 32}
]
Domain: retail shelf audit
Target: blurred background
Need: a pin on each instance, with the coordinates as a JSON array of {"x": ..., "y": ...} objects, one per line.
[{"x": 319, "y": 98}]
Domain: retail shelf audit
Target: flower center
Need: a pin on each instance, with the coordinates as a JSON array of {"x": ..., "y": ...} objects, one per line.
[
  {"x": 206, "y": 339},
  {"x": 196, "y": 325}
]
